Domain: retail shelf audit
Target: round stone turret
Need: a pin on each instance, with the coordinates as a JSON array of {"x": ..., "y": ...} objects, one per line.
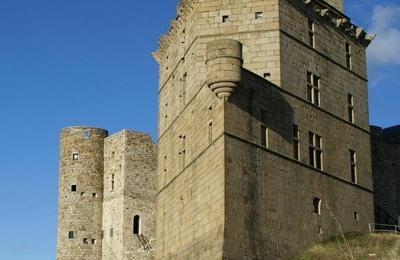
[
  {"x": 80, "y": 199},
  {"x": 224, "y": 65}
]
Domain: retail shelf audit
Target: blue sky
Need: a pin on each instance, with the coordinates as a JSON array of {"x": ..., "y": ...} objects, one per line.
[{"x": 89, "y": 63}]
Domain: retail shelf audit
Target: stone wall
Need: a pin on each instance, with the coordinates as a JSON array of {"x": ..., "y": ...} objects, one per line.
[{"x": 386, "y": 168}]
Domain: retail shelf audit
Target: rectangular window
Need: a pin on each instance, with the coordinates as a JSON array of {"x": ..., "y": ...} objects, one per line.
[
  {"x": 315, "y": 150},
  {"x": 263, "y": 136},
  {"x": 93, "y": 241},
  {"x": 71, "y": 234},
  {"x": 259, "y": 15},
  {"x": 311, "y": 33},
  {"x": 85, "y": 241},
  {"x": 73, "y": 188},
  {"x": 225, "y": 18},
  {"x": 111, "y": 232},
  {"x": 350, "y": 108},
  {"x": 296, "y": 142},
  {"x": 353, "y": 166},
  {"x": 348, "y": 55},
  {"x": 356, "y": 216},
  {"x": 75, "y": 156},
  {"x": 313, "y": 88}
]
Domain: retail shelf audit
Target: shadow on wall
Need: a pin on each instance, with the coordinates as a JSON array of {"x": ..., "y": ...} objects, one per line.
[{"x": 260, "y": 102}]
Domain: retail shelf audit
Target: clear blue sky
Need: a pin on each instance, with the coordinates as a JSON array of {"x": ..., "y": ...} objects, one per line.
[{"x": 89, "y": 63}]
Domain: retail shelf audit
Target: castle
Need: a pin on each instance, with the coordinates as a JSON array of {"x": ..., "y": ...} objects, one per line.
[{"x": 263, "y": 142}]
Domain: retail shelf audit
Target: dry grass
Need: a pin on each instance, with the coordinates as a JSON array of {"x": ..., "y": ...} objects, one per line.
[{"x": 376, "y": 246}]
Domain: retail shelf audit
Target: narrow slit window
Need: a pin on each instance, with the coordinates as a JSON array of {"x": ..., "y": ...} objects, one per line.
[
  {"x": 263, "y": 136},
  {"x": 296, "y": 142},
  {"x": 93, "y": 241},
  {"x": 356, "y": 216},
  {"x": 210, "y": 133},
  {"x": 112, "y": 181},
  {"x": 348, "y": 55},
  {"x": 136, "y": 225},
  {"x": 353, "y": 166},
  {"x": 317, "y": 206},
  {"x": 350, "y": 108},
  {"x": 311, "y": 33},
  {"x": 182, "y": 152},
  {"x": 111, "y": 232}
]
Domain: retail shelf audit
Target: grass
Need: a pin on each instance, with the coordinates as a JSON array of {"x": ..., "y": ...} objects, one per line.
[{"x": 366, "y": 246}]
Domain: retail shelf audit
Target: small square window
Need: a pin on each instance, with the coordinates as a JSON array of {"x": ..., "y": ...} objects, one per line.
[
  {"x": 86, "y": 135},
  {"x": 94, "y": 195},
  {"x": 73, "y": 187},
  {"x": 75, "y": 156},
  {"x": 259, "y": 15},
  {"x": 85, "y": 241},
  {"x": 93, "y": 241},
  {"x": 71, "y": 234},
  {"x": 225, "y": 18}
]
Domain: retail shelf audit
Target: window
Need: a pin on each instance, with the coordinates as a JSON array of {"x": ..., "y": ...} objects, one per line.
[
  {"x": 350, "y": 107},
  {"x": 263, "y": 136},
  {"x": 136, "y": 225},
  {"x": 93, "y": 241},
  {"x": 313, "y": 88},
  {"x": 356, "y": 216},
  {"x": 86, "y": 135},
  {"x": 353, "y": 166},
  {"x": 317, "y": 206},
  {"x": 315, "y": 150},
  {"x": 94, "y": 195},
  {"x": 75, "y": 156},
  {"x": 296, "y": 142},
  {"x": 85, "y": 241},
  {"x": 348, "y": 55},
  {"x": 259, "y": 15},
  {"x": 112, "y": 181},
  {"x": 71, "y": 234},
  {"x": 111, "y": 232},
  {"x": 311, "y": 33},
  {"x": 225, "y": 18},
  {"x": 73, "y": 187}
]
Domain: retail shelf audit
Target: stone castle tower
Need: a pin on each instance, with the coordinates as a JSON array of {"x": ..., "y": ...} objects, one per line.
[
  {"x": 263, "y": 133},
  {"x": 106, "y": 195}
]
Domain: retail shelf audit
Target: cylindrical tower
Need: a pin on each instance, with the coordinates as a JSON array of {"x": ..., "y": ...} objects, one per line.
[
  {"x": 80, "y": 198},
  {"x": 224, "y": 65}
]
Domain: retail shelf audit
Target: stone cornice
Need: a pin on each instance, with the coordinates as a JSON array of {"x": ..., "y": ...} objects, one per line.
[{"x": 339, "y": 20}]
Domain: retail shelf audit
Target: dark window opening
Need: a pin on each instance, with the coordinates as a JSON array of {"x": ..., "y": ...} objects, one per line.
[
  {"x": 259, "y": 15},
  {"x": 353, "y": 166},
  {"x": 350, "y": 107},
  {"x": 111, "y": 232},
  {"x": 263, "y": 136},
  {"x": 296, "y": 142},
  {"x": 93, "y": 241},
  {"x": 85, "y": 241},
  {"x": 112, "y": 182},
  {"x": 225, "y": 18},
  {"x": 73, "y": 187},
  {"x": 75, "y": 156},
  {"x": 136, "y": 225},
  {"x": 356, "y": 216},
  {"x": 71, "y": 234},
  {"x": 317, "y": 206}
]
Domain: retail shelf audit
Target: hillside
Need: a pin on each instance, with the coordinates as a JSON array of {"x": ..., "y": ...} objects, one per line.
[{"x": 367, "y": 246}]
